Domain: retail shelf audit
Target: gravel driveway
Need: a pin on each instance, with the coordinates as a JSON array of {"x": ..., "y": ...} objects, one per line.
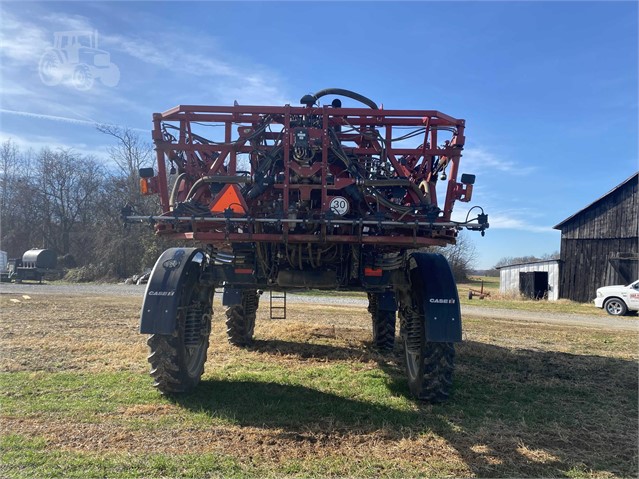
[{"x": 601, "y": 322}]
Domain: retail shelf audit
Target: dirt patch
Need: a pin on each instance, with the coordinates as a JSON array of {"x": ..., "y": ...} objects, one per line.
[{"x": 244, "y": 442}]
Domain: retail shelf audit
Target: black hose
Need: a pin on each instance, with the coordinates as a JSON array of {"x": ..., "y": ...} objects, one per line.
[{"x": 347, "y": 93}]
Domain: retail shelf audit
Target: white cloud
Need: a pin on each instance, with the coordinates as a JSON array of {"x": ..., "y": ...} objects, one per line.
[
  {"x": 503, "y": 221},
  {"x": 13, "y": 89},
  {"x": 138, "y": 48},
  {"x": 22, "y": 42},
  {"x": 257, "y": 91},
  {"x": 169, "y": 55},
  {"x": 223, "y": 77},
  {"x": 66, "y": 22},
  {"x": 479, "y": 159},
  {"x": 248, "y": 84}
]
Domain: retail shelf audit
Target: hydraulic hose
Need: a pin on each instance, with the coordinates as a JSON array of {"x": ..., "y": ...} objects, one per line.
[
  {"x": 346, "y": 93},
  {"x": 175, "y": 189}
]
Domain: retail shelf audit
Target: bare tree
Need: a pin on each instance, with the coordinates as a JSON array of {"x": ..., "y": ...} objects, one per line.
[
  {"x": 127, "y": 250},
  {"x": 129, "y": 154},
  {"x": 9, "y": 160},
  {"x": 461, "y": 256},
  {"x": 71, "y": 203},
  {"x": 18, "y": 199},
  {"x": 69, "y": 189}
]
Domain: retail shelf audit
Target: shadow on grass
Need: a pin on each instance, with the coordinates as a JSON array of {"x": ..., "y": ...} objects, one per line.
[
  {"x": 513, "y": 412},
  {"x": 310, "y": 350}
]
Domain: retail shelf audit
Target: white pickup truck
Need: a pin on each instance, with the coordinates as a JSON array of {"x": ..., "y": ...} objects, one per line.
[{"x": 618, "y": 300}]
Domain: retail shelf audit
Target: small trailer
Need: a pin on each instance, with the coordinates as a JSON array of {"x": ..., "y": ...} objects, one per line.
[{"x": 481, "y": 293}]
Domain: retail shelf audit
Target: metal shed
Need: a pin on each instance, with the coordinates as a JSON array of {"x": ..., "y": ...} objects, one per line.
[{"x": 538, "y": 280}]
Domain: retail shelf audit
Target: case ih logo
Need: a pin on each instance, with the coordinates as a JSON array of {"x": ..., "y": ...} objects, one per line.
[
  {"x": 75, "y": 57},
  {"x": 442, "y": 301},
  {"x": 171, "y": 263},
  {"x": 175, "y": 261},
  {"x": 161, "y": 293}
]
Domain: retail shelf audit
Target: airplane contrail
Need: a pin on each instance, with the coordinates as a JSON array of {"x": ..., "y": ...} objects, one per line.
[{"x": 63, "y": 119}]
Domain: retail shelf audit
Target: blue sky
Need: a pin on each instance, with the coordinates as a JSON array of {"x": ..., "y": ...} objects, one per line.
[{"x": 548, "y": 89}]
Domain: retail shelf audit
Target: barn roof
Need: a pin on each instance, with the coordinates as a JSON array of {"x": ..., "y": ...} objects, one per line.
[
  {"x": 530, "y": 262},
  {"x": 598, "y": 200}
]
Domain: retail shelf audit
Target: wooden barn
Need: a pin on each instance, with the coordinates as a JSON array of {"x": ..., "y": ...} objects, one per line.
[{"x": 600, "y": 243}]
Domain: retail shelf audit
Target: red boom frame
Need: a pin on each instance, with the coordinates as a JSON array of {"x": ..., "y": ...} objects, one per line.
[{"x": 361, "y": 133}]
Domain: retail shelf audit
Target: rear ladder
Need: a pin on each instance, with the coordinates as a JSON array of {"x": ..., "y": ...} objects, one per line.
[{"x": 277, "y": 304}]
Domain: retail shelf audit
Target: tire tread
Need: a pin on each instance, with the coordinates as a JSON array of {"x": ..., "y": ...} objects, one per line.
[{"x": 240, "y": 319}]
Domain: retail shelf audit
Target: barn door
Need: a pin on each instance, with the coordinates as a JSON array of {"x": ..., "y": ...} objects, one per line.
[{"x": 533, "y": 284}]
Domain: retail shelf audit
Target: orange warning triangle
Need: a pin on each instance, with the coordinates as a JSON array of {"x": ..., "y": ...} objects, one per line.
[{"x": 229, "y": 197}]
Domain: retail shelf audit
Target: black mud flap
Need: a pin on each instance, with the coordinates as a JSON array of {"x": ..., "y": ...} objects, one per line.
[
  {"x": 232, "y": 296},
  {"x": 386, "y": 301},
  {"x": 442, "y": 312},
  {"x": 161, "y": 298}
]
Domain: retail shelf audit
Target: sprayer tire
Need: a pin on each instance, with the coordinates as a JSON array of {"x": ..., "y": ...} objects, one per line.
[
  {"x": 176, "y": 366},
  {"x": 171, "y": 368},
  {"x": 383, "y": 325},
  {"x": 240, "y": 319},
  {"x": 430, "y": 374},
  {"x": 429, "y": 364}
]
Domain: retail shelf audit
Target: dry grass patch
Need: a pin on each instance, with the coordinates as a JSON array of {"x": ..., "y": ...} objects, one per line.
[{"x": 57, "y": 333}]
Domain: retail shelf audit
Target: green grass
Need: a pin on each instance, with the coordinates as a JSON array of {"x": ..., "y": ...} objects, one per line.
[
  {"x": 538, "y": 395},
  {"x": 72, "y": 395},
  {"x": 345, "y": 393},
  {"x": 26, "y": 458}
]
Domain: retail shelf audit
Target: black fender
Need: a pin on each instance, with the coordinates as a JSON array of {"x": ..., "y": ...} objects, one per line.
[
  {"x": 442, "y": 313},
  {"x": 161, "y": 298}
]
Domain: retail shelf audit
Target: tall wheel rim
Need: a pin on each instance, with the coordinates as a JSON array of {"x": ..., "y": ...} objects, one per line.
[
  {"x": 614, "y": 307},
  {"x": 413, "y": 342},
  {"x": 195, "y": 357},
  {"x": 412, "y": 363}
]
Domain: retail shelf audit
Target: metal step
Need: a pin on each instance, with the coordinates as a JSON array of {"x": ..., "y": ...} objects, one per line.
[{"x": 277, "y": 304}]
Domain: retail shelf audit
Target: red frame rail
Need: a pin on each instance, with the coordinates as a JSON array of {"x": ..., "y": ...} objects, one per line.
[{"x": 354, "y": 134}]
